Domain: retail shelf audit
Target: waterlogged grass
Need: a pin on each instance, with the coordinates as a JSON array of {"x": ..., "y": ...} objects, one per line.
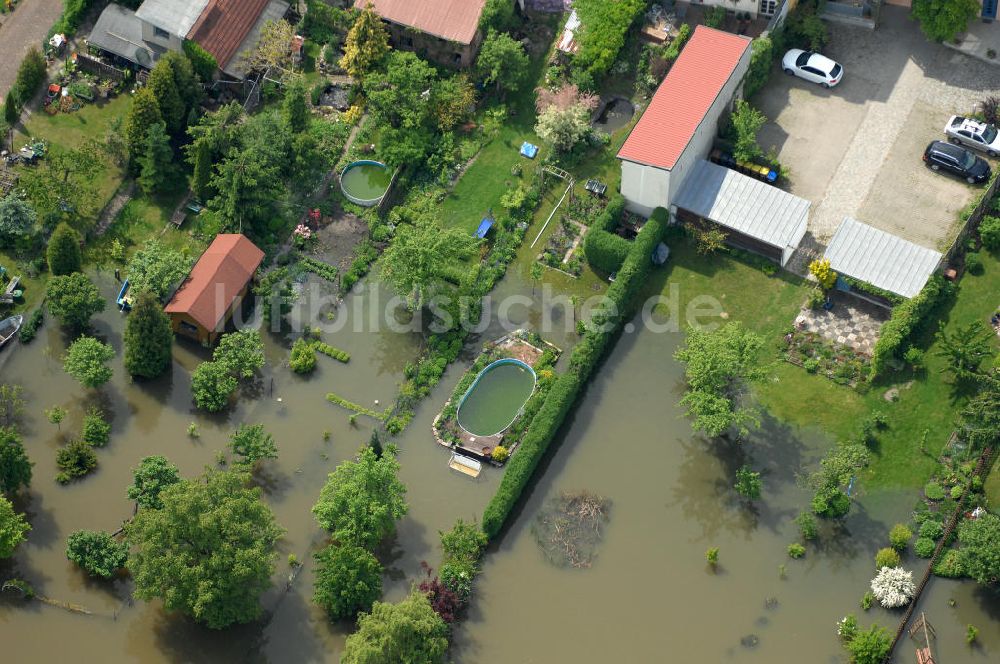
[{"x": 920, "y": 420}]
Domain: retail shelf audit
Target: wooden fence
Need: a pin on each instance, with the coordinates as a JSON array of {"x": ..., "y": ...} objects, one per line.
[{"x": 981, "y": 465}]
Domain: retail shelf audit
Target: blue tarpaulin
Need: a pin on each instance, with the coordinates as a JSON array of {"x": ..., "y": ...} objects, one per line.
[
  {"x": 529, "y": 150},
  {"x": 484, "y": 227}
]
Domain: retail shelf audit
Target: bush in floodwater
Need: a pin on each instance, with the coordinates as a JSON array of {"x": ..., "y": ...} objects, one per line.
[
  {"x": 75, "y": 460},
  {"x": 796, "y": 550},
  {"x": 807, "y": 526},
  {"x": 568, "y": 528},
  {"x": 869, "y": 646},
  {"x": 933, "y": 491},
  {"x": 893, "y": 587},
  {"x": 98, "y": 553},
  {"x": 712, "y": 556},
  {"x": 887, "y": 557},
  {"x": 96, "y": 430},
  {"x": 900, "y": 536},
  {"x": 924, "y": 547},
  {"x": 931, "y": 530},
  {"x": 303, "y": 357}
]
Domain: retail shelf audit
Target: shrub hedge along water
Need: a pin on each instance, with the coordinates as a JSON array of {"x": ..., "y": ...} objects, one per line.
[{"x": 566, "y": 388}]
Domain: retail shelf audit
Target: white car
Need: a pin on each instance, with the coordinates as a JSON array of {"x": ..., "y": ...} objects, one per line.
[
  {"x": 974, "y": 134},
  {"x": 813, "y": 67}
]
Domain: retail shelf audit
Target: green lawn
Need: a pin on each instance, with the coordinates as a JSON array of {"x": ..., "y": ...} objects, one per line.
[
  {"x": 927, "y": 402},
  {"x": 992, "y": 488}
]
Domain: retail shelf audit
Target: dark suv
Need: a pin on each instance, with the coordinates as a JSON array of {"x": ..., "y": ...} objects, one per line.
[{"x": 941, "y": 156}]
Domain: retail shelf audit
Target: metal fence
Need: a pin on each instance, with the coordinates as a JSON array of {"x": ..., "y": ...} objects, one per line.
[{"x": 779, "y": 15}]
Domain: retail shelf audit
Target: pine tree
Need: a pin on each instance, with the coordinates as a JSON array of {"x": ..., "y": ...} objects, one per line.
[
  {"x": 148, "y": 338},
  {"x": 164, "y": 87},
  {"x": 64, "y": 251},
  {"x": 201, "y": 176},
  {"x": 144, "y": 113},
  {"x": 367, "y": 43},
  {"x": 294, "y": 107},
  {"x": 155, "y": 163}
]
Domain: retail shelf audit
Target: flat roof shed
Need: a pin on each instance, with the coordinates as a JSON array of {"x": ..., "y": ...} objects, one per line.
[
  {"x": 881, "y": 259},
  {"x": 761, "y": 213}
]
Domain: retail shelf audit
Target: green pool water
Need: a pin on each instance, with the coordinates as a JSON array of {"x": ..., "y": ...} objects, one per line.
[
  {"x": 365, "y": 180},
  {"x": 496, "y": 397}
]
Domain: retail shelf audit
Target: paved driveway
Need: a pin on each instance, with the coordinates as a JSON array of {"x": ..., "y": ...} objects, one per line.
[
  {"x": 856, "y": 150},
  {"x": 26, "y": 27}
]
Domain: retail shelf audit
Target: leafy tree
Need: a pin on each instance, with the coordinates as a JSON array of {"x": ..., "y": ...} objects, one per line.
[
  {"x": 15, "y": 468},
  {"x": 396, "y": 97},
  {"x": 241, "y": 353},
  {"x": 451, "y": 99},
  {"x": 62, "y": 186},
  {"x": 746, "y": 122},
  {"x": 410, "y": 631},
  {"x": 252, "y": 444},
  {"x": 153, "y": 475},
  {"x": 63, "y": 252},
  {"x": 294, "y": 106},
  {"x": 403, "y": 146},
  {"x": 869, "y": 646},
  {"x": 748, "y": 483},
  {"x": 75, "y": 460},
  {"x": 761, "y": 62},
  {"x": 497, "y": 14},
  {"x": 943, "y": 20},
  {"x": 348, "y": 580},
  {"x": 156, "y": 269},
  {"x": 17, "y": 218},
  {"x": 362, "y": 499},
  {"x": 719, "y": 363},
  {"x": 96, "y": 430},
  {"x": 168, "y": 99},
  {"x": 148, "y": 338},
  {"x": 273, "y": 49},
  {"x": 246, "y": 186},
  {"x": 73, "y": 299},
  {"x": 97, "y": 552},
  {"x": 979, "y": 554},
  {"x": 211, "y": 386},
  {"x": 807, "y": 526},
  {"x": 979, "y": 420},
  {"x": 11, "y": 404},
  {"x": 366, "y": 45},
  {"x": 416, "y": 262},
  {"x": 965, "y": 349},
  {"x": 208, "y": 552},
  {"x": 462, "y": 546},
  {"x": 13, "y": 528},
  {"x": 155, "y": 163},
  {"x": 87, "y": 360},
  {"x": 143, "y": 114},
  {"x": 502, "y": 61},
  {"x": 563, "y": 129},
  {"x": 841, "y": 463},
  {"x": 189, "y": 89}
]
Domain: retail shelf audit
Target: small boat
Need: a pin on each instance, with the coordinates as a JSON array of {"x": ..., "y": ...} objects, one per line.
[
  {"x": 9, "y": 327},
  {"x": 124, "y": 300}
]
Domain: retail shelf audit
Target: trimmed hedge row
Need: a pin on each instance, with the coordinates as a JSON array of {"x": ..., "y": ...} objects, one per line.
[
  {"x": 30, "y": 77},
  {"x": 606, "y": 252},
  {"x": 320, "y": 269},
  {"x": 904, "y": 320},
  {"x": 563, "y": 393},
  {"x": 356, "y": 407},
  {"x": 330, "y": 351},
  {"x": 607, "y": 220}
]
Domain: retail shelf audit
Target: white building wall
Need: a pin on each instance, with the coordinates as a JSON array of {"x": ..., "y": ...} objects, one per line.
[
  {"x": 752, "y": 6},
  {"x": 170, "y": 41},
  {"x": 645, "y": 188}
]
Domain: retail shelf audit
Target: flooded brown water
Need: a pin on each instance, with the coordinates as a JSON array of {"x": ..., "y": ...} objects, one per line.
[{"x": 647, "y": 598}]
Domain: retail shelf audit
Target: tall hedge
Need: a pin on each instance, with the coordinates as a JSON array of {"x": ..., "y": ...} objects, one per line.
[
  {"x": 612, "y": 213},
  {"x": 584, "y": 358},
  {"x": 30, "y": 76},
  {"x": 606, "y": 252},
  {"x": 905, "y": 319},
  {"x": 73, "y": 14}
]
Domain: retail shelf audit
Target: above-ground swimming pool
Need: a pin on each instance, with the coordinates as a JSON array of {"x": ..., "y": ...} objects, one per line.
[
  {"x": 495, "y": 398},
  {"x": 365, "y": 182}
]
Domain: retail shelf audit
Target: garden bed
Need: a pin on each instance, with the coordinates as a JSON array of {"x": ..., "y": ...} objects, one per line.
[
  {"x": 521, "y": 347},
  {"x": 562, "y": 251},
  {"x": 817, "y": 355}
]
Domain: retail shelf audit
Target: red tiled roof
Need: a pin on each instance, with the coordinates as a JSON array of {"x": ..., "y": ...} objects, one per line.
[
  {"x": 707, "y": 61},
  {"x": 216, "y": 279},
  {"x": 223, "y": 25},
  {"x": 453, "y": 20}
]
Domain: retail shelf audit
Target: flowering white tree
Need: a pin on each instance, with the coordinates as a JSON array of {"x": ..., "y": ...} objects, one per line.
[
  {"x": 893, "y": 587},
  {"x": 564, "y": 115}
]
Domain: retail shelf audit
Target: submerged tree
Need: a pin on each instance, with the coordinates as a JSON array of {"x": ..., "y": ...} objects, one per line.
[
  {"x": 251, "y": 443},
  {"x": 87, "y": 360},
  {"x": 15, "y": 468},
  {"x": 348, "y": 580},
  {"x": 96, "y": 552},
  {"x": 13, "y": 528},
  {"x": 748, "y": 483},
  {"x": 153, "y": 475},
  {"x": 63, "y": 252},
  {"x": 410, "y": 631},
  {"x": 208, "y": 552},
  {"x": 73, "y": 299},
  {"x": 148, "y": 338}
]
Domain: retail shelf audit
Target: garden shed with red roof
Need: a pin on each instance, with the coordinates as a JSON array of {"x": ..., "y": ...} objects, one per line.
[{"x": 215, "y": 287}]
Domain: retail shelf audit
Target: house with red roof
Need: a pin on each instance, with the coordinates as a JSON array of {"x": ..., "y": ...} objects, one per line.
[
  {"x": 215, "y": 287},
  {"x": 445, "y": 31},
  {"x": 664, "y": 159},
  {"x": 225, "y": 28}
]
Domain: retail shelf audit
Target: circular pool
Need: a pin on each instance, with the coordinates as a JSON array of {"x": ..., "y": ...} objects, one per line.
[
  {"x": 365, "y": 182},
  {"x": 495, "y": 398}
]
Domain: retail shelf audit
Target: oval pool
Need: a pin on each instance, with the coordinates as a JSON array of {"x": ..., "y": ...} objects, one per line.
[
  {"x": 495, "y": 398},
  {"x": 365, "y": 182}
]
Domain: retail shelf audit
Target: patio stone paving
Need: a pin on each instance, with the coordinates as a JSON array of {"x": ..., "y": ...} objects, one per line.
[{"x": 852, "y": 322}]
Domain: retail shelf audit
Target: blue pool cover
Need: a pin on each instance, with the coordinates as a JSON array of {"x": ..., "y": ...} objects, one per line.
[
  {"x": 484, "y": 227},
  {"x": 529, "y": 150}
]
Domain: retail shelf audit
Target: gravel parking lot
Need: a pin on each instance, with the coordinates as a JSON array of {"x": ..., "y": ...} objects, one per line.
[{"x": 856, "y": 150}]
